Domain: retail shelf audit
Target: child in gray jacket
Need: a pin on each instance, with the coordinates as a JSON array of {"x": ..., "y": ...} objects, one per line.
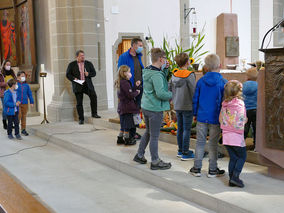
[{"x": 182, "y": 84}]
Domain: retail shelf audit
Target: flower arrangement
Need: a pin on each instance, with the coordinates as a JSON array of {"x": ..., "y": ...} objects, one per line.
[{"x": 194, "y": 52}]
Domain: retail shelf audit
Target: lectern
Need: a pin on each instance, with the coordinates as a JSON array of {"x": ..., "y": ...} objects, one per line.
[{"x": 270, "y": 112}]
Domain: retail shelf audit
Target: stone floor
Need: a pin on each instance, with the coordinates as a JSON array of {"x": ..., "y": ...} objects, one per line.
[
  {"x": 65, "y": 180},
  {"x": 70, "y": 183}
]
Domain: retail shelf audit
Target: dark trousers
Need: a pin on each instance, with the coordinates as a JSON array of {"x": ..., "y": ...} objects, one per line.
[
  {"x": 251, "y": 114},
  {"x": 138, "y": 102},
  {"x": 184, "y": 120},
  {"x": 79, "y": 98},
  {"x": 238, "y": 157},
  {"x": 13, "y": 119}
]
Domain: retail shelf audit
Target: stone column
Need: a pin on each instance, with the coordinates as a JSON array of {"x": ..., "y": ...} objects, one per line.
[
  {"x": 75, "y": 25},
  {"x": 254, "y": 30},
  {"x": 184, "y": 26}
]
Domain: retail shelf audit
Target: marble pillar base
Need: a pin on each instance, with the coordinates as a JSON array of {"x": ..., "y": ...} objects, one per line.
[{"x": 61, "y": 108}]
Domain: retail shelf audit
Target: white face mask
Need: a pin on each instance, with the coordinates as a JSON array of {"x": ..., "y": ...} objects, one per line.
[
  {"x": 23, "y": 79},
  {"x": 16, "y": 87},
  {"x": 7, "y": 67}
]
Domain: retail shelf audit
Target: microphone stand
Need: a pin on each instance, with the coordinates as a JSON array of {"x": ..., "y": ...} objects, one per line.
[{"x": 272, "y": 29}]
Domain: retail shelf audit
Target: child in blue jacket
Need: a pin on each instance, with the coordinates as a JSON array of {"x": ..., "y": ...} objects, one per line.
[
  {"x": 11, "y": 109},
  {"x": 250, "y": 98},
  {"x": 207, "y": 102},
  {"x": 24, "y": 94}
]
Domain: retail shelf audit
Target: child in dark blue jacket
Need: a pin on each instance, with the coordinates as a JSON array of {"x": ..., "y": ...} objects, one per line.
[
  {"x": 24, "y": 94},
  {"x": 207, "y": 102},
  {"x": 11, "y": 109},
  {"x": 250, "y": 99}
]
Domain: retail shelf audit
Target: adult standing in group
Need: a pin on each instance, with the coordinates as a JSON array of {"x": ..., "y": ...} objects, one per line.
[
  {"x": 132, "y": 58},
  {"x": 83, "y": 70},
  {"x": 6, "y": 74}
]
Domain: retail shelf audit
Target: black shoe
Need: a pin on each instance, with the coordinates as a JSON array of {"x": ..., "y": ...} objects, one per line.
[
  {"x": 120, "y": 140},
  {"x": 231, "y": 184},
  {"x": 130, "y": 141},
  {"x": 137, "y": 136},
  {"x": 215, "y": 173},
  {"x": 236, "y": 182},
  {"x": 142, "y": 160},
  {"x": 5, "y": 124},
  {"x": 96, "y": 116},
  {"x": 24, "y": 132},
  {"x": 161, "y": 165},
  {"x": 81, "y": 122},
  {"x": 195, "y": 172}
]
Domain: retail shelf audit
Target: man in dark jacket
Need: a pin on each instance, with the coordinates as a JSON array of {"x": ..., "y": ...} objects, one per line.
[
  {"x": 80, "y": 73},
  {"x": 132, "y": 58}
]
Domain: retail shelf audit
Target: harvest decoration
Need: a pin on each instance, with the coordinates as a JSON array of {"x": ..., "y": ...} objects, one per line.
[{"x": 194, "y": 51}]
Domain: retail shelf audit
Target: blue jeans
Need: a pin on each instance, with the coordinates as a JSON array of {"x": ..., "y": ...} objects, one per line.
[
  {"x": 4, "y": 117},
  {"x": 184, "y": 121},
  {"x": 13, "y": 119},
  {"x": 153, "y": 121},
  {"x": 238, "y": 157},
  {"x": 214, "y": 134}
]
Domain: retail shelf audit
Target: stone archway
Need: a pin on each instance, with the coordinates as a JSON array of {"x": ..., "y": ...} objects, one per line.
[{"x": 120, "y": 38}]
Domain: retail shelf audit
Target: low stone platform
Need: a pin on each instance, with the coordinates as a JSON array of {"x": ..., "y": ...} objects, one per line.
[
  {"x": 261, "y": 194},
  {"x": 109, "y": 121}
]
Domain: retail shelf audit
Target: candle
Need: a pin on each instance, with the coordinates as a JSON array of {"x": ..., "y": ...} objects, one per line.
[{"x": 42, "y": 67}]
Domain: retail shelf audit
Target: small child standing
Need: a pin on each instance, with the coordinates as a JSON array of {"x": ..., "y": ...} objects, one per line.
[
  {"x": 11, "y": 109},
  {"x": 24, "y": 95},
  {"x": 250, "y": 99},
  {"x": 207, "y": 101},
  {"x": 232, "y": 119},
  {"x": 126, "y": 104},
  {"x": 182, "y": 85}
]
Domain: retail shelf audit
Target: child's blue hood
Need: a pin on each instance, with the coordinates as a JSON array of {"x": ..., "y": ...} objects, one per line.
[{"x": 212, "y": 78}]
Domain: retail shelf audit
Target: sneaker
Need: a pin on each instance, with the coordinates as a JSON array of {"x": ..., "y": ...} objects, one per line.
[
  {"x": 142, "y": 160},
  {"x": 236, "y": 182},
  {"x": 24, "y": 132},
  {"x": 137, "y": 136},
  {"x": 19, "y": 137},
  {"x": 120, "y": 140},
  {"x": 10, "y": 136},
  {"x": 195, "y": 172},
  {"x": 161, "y": 165},
  {"x": 129, "y": 141},
  {"x": 216, "y": 173},
  {"x": 187, "y": 157},
  {"x": 179, "y": 154}
]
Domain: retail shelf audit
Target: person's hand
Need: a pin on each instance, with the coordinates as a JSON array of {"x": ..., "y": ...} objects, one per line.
[
  {"x": 76, "y": 79},
  {"x": 194, "y": 119},
  {"x": 138, "y": 91},
  {"x": 168, "y": 64},
  {"x": 18, "y": 103},
  {"x": 32, "y": 105},
  {"x": 86, "y": 74},
  {"x": 138, "y": 83}
]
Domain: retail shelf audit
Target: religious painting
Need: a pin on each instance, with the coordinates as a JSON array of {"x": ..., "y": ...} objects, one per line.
[
  {"x": 24, "y": 35},
  {"x": 8, "y": 36}
]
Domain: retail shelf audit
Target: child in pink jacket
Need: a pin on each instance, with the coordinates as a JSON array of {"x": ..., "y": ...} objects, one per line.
[{"x": 232, "y": 119}]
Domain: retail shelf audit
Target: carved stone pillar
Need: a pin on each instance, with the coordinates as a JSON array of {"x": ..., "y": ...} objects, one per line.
[{"x": 75, "y": 25}]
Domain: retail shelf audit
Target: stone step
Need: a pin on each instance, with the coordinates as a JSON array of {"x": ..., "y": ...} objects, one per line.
[
  {"x": 99, "y": 144},
  {"x": 252, "y": 157}
]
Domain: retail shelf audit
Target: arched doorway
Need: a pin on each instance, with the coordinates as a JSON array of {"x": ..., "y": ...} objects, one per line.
[{"x": 121, "y": 45}]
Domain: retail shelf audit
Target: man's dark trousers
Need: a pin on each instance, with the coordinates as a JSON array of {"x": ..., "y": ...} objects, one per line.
[{"x": 93, "y": 101}]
